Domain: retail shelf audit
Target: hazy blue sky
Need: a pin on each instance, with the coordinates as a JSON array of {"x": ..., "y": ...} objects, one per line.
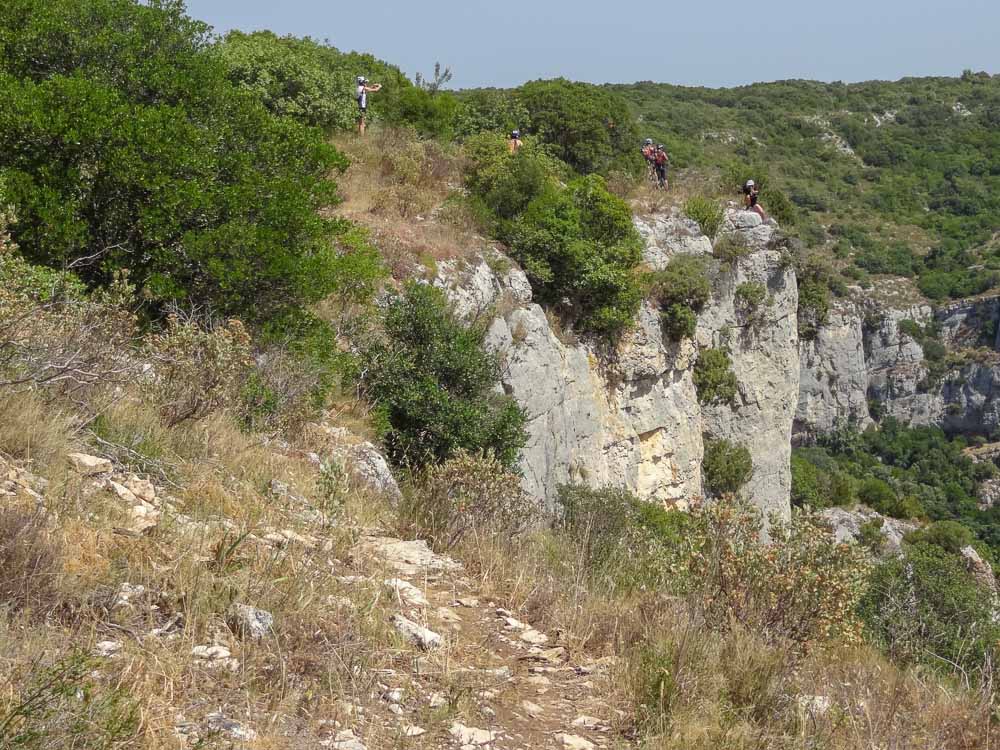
[{"x": 713, "y": 43}]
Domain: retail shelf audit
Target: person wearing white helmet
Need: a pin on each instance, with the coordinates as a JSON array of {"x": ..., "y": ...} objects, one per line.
[
  {"x": 361, "y": 94},
  {"x": 649, "y": 154},
  {"x": 751, "y": 199},
  {"x": 661, "y": 161},
  {"x": 515, "y": 143}
]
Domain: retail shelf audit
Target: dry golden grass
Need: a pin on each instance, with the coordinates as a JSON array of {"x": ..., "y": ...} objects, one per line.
[{"x": 408, "y": 193}]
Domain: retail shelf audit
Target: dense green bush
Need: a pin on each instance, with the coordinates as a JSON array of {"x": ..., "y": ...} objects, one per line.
[
  {"x": 491, "y": 111},
  {"x": 726, "y": 466},
  {"x": 817, "y": 482},
  {"x": 682, "y": 290},
  {"x": 589, "y": 127},
  {"x": 578, "y": 244},
  {"x": 292, "y": 77},
  {"x": 507, "y": 183},
  {"x": 706, "y": 213},
  {"x": 950, "y": 536},
  {"x": 714, "y": 378},
  {"x": 124, "y": 144},
  {"x": 433, "y": 385},
  {"x": 926, "y": 607}
]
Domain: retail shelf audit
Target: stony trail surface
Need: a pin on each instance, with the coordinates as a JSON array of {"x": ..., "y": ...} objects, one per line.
[{"x": 489, "y": 680}]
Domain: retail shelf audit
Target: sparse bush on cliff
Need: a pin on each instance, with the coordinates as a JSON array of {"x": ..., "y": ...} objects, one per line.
[
  {"x": 726, "y": 466},
  {"x": 707, "y": 213},
  {"x": 682, "y": 289},
  {"x": 714, "y": 378},
  {"x": 432, "y": 385},
  {"x": 752, "y": 302},
  {"x": 578, "y": 245}
]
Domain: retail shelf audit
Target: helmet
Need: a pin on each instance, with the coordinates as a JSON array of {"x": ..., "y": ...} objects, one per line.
[
  {"x": 515, "y": 134},
  {"x": 362, "y": 80},
  {"x": 660, "y": 147},
  {"x": 648, "y": 142},
  {"x": 750, "y": 183}
]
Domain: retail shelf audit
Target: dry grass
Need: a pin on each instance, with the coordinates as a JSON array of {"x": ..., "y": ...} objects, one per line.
[
  {"x": 680, "y": 684},
  {"x": 408, "y": 193}
]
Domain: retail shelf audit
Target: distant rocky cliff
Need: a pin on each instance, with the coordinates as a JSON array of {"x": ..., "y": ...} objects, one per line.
[{"x": 631, "y": 417}]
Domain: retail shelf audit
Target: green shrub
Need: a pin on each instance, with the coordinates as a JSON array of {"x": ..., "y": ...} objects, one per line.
[
  {"x": 623, "y": 541},
  {"x": 817, "y": 482},
  {"x": 729, "y": 248},
  {"x": 491, "y": 111},
  {"x": 433, "y": 385},
  {"x": 579, "y": 244},
  {"x": 126, "y": 146},
  {"x": 751, "y": 301},
  {"x": 467, "y": 495},
  {"x": 714, "y": 378},
  {"x": 706, "y": 213},
  {"x": 925, "y": 607},
  {"x": 682, "y": 289},
  {"x": 726, "y": 466},
  {"x": 950, "y": 536},
  {"x": 588, "y": 127}
]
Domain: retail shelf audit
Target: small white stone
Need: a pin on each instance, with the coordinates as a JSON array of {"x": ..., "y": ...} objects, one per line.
[
  {"x": 472, "y": 736},
  {"x": 88, "y": 465},
  {"x": 572, "y": 742},
  {"x": 417, "y": 634},
  {"x": 407, "y": 592},
  {"x": 108, "y": 649},
  {"x": 533, "y": 637}
]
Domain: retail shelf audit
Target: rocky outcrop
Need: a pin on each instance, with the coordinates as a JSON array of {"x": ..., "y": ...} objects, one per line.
[
  {"x": 848, "y": 526},
  {"x": 631, "y": 417},
  {"x": 863, "y": 359}
]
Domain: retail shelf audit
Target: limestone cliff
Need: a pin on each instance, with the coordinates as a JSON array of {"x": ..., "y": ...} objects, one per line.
[
  {"x": 631, "y": 417},
  {"x": 863, "y": 360}
]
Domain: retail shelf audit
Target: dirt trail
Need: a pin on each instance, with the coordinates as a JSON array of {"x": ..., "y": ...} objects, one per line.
[{"x": 494, "y": 682}]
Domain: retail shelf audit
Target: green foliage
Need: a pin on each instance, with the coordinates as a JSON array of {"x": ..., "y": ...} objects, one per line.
[
  {"x": 682, "y": 289},
  {"x": 729, "y": 248},
  {"x": 815, "y": 278},
  {"x": 125, "y": 145},
  {"x": 623, "y": 541},
  {"x": 706, "y": 213},
  {"x": 507, "y": 183},
  {"x": 491, "y": 111},
  {"x": 931, "y": 166},
  {"x": 293, "y": 77},
  {"x": 817, "y": 482},
  {"x": 714, "y": 378},
  {"x": 433, "y": 385},
  {"x": 950, "y": 536},
  {"x": 752, "y": 300},
  {"x": 589, "y": 127},
  {"x": 925, "y": 607},
  {"x": 579, "y": 244},
  {"x": 65, "y": 705},
  {"x": 727, "y": 466},
  {"x": 916, "y": 472}
]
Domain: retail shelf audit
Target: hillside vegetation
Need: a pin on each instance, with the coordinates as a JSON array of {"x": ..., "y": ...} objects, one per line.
[
  {"x": 897, "y": 178},
  {"x": 229, "y": 405}
]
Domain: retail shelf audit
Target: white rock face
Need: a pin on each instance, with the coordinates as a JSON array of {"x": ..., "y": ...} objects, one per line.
[
  {"x": 631, "y": 418},
  {"x": 833, "y": 376},
  {"x": 765, "y": 361}
]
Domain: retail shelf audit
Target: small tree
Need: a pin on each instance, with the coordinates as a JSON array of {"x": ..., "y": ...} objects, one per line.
[{"x": 434, "y": 84}]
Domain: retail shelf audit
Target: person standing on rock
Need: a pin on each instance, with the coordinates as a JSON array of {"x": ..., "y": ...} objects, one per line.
[
  {"x": 751, "y": 199},
  {"x": 362, "y": 97}
]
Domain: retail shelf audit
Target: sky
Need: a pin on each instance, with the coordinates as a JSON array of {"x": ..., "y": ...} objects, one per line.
[{"x": 717, "y": 43}]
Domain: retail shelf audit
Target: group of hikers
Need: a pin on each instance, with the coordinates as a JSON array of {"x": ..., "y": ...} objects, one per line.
[{"x": 657, "y": 159}]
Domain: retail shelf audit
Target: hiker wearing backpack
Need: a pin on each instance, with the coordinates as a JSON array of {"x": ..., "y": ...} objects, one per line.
[
  {"x": 362, "y": 98},
  {"x": 751, "y": 199},
  {"x": 514, "y": 144},
  {"x": 649, "y": 154},
  {"x": 662, "y": 161}
]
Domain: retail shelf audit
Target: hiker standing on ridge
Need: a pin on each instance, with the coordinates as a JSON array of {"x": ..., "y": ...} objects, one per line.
[
  {"x": 662, "y": 161},
  {"x": 649, "y": 154},
  {"x": 751, "y": 199},
  {"x": 514, "y": 144},
  {"x": 362, "y": 96}
]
